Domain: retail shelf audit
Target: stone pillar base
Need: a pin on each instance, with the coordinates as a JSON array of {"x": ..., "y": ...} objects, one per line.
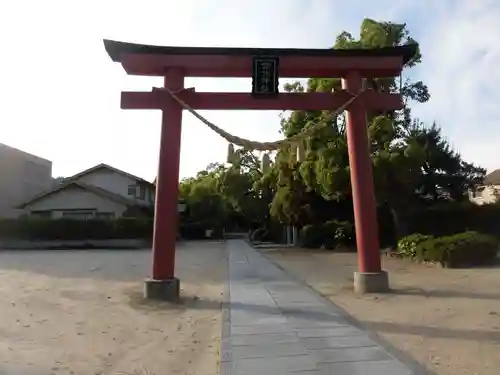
[
  {"x": 371, "y": 282},
  {"x": 164, "y": 290}
]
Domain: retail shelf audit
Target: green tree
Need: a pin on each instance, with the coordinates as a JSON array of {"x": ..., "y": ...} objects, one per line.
[
  {"x": 412, "y": 163},
  {"x": 409, "y": 159}
]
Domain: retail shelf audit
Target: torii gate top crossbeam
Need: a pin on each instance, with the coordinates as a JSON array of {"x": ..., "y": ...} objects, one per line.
[{"x": 140, "y": 59}]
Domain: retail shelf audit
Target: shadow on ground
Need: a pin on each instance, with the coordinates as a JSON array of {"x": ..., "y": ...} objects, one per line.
[
  {"x": 434, "y": 332},
  {"x": 445, "y": 293},
  {"x": 192, "y": 302}
]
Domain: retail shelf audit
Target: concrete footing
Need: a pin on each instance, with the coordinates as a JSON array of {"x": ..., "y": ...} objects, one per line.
[
  {"x": 164, "y": 290},
  {"x": 371, "y": 282}
]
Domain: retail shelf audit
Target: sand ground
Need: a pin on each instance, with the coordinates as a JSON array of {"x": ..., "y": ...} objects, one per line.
[
  {"x": 82, "y": 313},
  {"x": 448, "y": 320}
]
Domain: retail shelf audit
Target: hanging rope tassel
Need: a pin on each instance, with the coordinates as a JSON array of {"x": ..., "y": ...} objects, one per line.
[
  {"x": 293, "y": 155},
  {"x": 265, "y": 163},
  {"x": 230, "y": 153},
  {"x": 301, "y": 152}
]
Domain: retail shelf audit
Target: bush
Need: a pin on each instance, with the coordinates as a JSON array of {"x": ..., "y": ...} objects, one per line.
[
  {"x": 337, "y": 233},
  {"x": 312, "y": 236},
  {"x": 276, "y": 233},
  {"x": 68, "y": 229},
  {"x": 192, "y": 231},
  {"x": 407, "y": 246},
  {"x": 459, "y": 250},
  {"x": 258, "y": 235},
  {"x": 344, "y": 234},
  {"x": 329, "y": 230}
]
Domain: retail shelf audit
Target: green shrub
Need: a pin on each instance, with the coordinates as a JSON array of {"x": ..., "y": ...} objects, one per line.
[
  {"x": 312, "y": 236},
  {"x": 344, "y": 233},
  {"x": 258, "y": 235},
  {"x": 329, "y": 229},
  {"x": 459, "y": 250},
  {"x": 198, "y": 231},
  {"x": 69, "y": 229},
  {"x": 337, "y": 233},
  {"x": 192, "y": 231},
  {"x": 407, "y": 246}
]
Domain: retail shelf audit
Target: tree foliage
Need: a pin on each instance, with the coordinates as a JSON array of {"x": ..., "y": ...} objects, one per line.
[
  {"x": 410, "y": 161},
  {"x": 413, "y": 164}
]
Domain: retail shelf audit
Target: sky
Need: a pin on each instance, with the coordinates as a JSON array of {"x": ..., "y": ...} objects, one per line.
[{"x": 60, "y": 92}]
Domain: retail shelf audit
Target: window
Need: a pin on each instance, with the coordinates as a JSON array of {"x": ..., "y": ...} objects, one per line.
[
  {"x": 105, "y": 215},
  {"x": 42, "y": 214},
  {"x": 142, "y": 192},
  {"x": 478, "y": 192},
  {"x": 78, "y": 214},
  {"x": 151, "y": 195},
  {"x": 132, "y": 190}
]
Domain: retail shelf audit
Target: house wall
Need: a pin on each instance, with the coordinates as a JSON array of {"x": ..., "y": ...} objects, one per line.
[
  {"x": 484, "y": 194},
  {"x": 74, "y": 199},
  {"x": 119, "y": 184},
  {"x": 22, "y": 176}
]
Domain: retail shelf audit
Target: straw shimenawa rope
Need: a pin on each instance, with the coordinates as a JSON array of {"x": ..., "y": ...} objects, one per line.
[{"x": 255, "y": 145}]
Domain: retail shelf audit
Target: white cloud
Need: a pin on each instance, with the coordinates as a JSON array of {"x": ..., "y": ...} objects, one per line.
[{"x": 461, "y": 53}]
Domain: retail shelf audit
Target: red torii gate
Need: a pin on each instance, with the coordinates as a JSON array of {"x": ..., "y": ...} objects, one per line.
[{"x": 265, "y": 66}]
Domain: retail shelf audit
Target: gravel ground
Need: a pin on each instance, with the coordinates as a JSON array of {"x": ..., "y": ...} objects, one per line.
[{"x": 82, "y": 312}]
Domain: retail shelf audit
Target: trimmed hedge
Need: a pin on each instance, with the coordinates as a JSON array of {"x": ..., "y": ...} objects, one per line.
[
  {"x": 32, "y": 229},
  {"x": 68, "y": 229},
  {"x": 338, "y": 233},
  {"x": 407, "y": 246},
  {"x": 330, "y": 235},
  {"x": 311, "y": 236},
  {"x": 458, "y": 250},
  {"x": 192, "y": 231},
  {"x": 259, "y": 235}
]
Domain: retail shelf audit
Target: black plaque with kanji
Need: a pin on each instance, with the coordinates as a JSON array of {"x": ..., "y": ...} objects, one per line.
[{"x": 265, "y": 77}]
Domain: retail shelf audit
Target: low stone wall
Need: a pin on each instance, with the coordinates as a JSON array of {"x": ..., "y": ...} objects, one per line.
[{"x": 68, "y": 245}]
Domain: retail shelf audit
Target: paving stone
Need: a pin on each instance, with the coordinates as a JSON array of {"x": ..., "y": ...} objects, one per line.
[
  {"x": 314, "y": 312},
  {"x": 259, "y": 321},
  {"x": 298, "y": 323},
  {"x": 285, "y": 349},
  {"x": 226, "y": 328},
  {"x": 275, "y": 325},
  {"x": 283, "y": 365},
  {"x": 357, "y": 341},
  {"x": 238, "y": 314},
  {"x": 259, "y": 330},
  {"x": 372, "y": 353},
  {"x": 391, "y": 367},
  {"x": 274, "y": 338},
  {"x": 328, "y": 332}
]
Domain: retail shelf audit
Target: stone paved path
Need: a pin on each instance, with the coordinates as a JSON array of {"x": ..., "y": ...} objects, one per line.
[{"x": 274, "y": 325}]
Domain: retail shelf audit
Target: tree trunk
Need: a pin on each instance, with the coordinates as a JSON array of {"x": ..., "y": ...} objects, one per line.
[
  {"x": 400, "y": 220},
  {"x": 295, "y": 236},
  {"x": 289, "y": 235}
]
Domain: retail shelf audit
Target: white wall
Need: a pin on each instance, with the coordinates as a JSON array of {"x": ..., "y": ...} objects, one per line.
[
  {"x": 73, "y": 198},
  {"x": 484, "y": 194},
  {"x": 22, "y": 176},
  {"x": 116, "y": 183}
]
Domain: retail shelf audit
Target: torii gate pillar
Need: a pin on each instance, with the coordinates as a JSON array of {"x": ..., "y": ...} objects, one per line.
[
  {"x": 264, "y": 66},
  {"x": 162, "y": 284},
  {"x": 371, "y": 277}
]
